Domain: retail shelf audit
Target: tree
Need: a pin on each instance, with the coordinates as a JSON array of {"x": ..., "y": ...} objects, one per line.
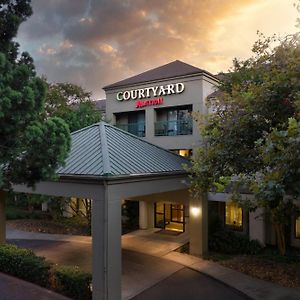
[
  {"x": 73, "y": 104},
  {"x": 32, "y": 146},
  {"x": 247, "y": 137},
  {"x": 278, "y": 184}
]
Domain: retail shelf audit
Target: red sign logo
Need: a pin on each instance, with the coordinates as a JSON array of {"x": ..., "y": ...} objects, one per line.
[{"x": 156, "y": 101}]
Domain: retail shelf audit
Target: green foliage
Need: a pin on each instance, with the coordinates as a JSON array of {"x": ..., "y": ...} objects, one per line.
[
  {"x": 229, "y": 242},
  {"x": 279, "y": 176},
  {"x": 72, "y": 282},
  {"x": 251, "y": 138},
  {"x": 13, "y": 213},
  {"x": 24, "y": 264},
  {"x": 31, "y": 146},
  {"x": 73, "y": 104}
]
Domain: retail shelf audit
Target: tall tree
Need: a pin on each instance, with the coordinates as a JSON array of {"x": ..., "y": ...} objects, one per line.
[
  {"x": 247, "y": 138},
  {"x": 73, "y": 104},
  {"x": 32, "y": 146}
]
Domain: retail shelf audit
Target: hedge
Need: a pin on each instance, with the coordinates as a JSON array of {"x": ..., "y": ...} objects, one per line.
[
  {"x": 229, "y": 242},
  {"x": 24, "y": 264},
  {"x": 73, "y": 283}
]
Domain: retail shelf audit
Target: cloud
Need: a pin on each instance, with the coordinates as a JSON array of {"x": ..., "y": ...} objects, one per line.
[{"x": 97, "y": 42}]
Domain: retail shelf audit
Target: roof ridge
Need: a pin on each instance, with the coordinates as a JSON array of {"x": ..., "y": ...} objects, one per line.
[
  {"x": 140, "y": 139},
  {"x": 104, "y": 148},
  {"x": 192, "y": 71},
  {"x": 85, "y": 128}
]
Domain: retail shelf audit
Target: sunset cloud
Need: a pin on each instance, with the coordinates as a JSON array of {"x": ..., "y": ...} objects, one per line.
[{"x": 97, "y": 42}]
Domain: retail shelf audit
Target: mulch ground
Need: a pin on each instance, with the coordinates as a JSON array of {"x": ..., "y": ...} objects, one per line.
[
  {"x": 49, "y": 226},
  {"x": 282, "y": 273}
]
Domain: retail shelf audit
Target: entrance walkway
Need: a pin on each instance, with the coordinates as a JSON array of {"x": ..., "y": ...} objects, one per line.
[{"x": 153, "y": 241}]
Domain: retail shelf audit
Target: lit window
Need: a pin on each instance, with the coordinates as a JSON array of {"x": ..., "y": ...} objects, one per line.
[
  {"x": 233, "y": 216},
  {"x": 297, "y": 224},
  {"x": 184, "y": 152}
]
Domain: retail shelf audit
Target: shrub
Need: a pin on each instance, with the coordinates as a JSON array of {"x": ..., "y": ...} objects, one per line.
[
  {"x": 24, "y": 264},
  {"x": 14, "y": 213},
  {"x": 231, "y": 243},
  {"x": 72, "y": 282}
]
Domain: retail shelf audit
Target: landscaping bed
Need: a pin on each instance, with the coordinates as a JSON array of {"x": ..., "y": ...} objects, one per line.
[
  {"x": 285, "y": 273},
  {"x": 237, "y": 252},
  {"x": 61, "y": 226}
]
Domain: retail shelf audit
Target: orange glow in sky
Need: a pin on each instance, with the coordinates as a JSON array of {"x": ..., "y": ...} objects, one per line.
[{"x": 98, "y": 42}]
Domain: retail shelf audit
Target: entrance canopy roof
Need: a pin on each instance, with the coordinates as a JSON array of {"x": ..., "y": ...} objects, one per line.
[{"x": 104, "y": 151}]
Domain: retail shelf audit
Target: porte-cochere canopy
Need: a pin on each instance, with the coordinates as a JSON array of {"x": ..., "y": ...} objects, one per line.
[
  {"x": 107, "y": 165},
  {"x": 102, "y": 150}
]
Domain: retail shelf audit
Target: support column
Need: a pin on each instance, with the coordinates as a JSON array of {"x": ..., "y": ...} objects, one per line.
[
  {"x": 143, "y": 215},
  {"x": 149, "y": 121},
  {"x": 198, "y": 225},
  {"x": 107, "y": 258},
  {"x": 2, "y": 218},
  {"x": 257, "y": 226}
]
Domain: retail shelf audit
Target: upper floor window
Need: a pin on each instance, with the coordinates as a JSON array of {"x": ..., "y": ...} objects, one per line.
[
  {"x": 174, "y": 121},
  {"x": 133, "y": 122}
]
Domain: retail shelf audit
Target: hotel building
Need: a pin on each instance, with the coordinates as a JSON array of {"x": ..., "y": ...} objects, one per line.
[{"x": 157, "y": 106}]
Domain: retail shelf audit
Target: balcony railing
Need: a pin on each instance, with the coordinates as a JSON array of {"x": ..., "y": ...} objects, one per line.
[
  {"x": 171, "y": 128},
  {"x": 137, "y": 129}
]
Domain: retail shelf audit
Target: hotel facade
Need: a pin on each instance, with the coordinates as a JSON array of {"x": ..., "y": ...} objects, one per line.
[{"x": 157, "y": 106}]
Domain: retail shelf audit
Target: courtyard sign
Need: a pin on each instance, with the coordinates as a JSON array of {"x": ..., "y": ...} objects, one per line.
[{"x": 155, "y": 91}]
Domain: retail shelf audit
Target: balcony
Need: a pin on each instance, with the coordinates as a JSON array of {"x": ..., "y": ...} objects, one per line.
[
  {"x": 137, "y": 129},
  {"x": 173, "y": 128}
]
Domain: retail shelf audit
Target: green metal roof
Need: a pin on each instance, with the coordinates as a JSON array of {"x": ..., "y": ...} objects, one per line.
[{"x": 104, "y": 150}]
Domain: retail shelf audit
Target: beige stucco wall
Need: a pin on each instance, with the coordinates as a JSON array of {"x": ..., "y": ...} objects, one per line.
[{"x": 196, "y": 90}]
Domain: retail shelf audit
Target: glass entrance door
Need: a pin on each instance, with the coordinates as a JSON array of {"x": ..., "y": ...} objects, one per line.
[
  {"x": 159, "y": 215},
  {"x": 169, "y": 216}
]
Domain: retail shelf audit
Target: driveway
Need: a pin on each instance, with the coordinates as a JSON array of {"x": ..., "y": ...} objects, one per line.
[
  {"x": 144, "y": 276},
  {"x": 152, "y": 270},
  {"x": 187, "y": 284},
  {"x": 12, "y": 288}
]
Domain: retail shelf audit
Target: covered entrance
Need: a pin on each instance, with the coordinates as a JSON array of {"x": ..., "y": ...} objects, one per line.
[
  {"x": 109, "y": 165},
  {"x": 169, "y": 216}
]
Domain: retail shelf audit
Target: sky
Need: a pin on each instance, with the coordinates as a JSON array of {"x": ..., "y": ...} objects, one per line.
[{"x": 94, "y": 43}]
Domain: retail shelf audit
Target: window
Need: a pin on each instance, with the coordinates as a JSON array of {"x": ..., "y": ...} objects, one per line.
[
  {"x": 183, "y": 152},
  {"x": 297, "y": 224},
  {"x": 174, "y": 121},
  {"x": 233, "y": 216},
  {"x": 133, "y": 122}
]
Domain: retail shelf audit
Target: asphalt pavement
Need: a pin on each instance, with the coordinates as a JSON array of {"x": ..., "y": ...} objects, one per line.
[
  {"x": 187, "y": 284},
  {"x": 143, "y": 276}
]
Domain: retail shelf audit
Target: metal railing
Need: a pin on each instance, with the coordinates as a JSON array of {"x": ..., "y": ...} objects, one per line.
[
  {"x": 137, "y": 129},
  {"x": 171, "y": 128}
]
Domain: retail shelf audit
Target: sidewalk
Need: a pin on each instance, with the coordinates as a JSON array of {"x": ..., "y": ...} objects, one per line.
[{"x": 16, "y": 289}]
